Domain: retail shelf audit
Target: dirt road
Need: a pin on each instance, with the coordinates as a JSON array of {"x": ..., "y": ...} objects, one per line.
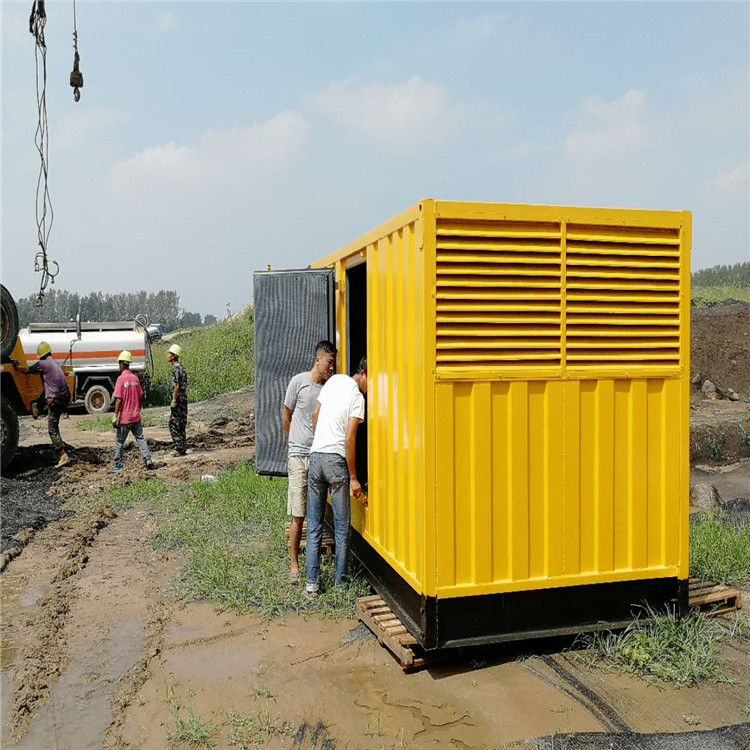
[{"x": 96, "y": 652}]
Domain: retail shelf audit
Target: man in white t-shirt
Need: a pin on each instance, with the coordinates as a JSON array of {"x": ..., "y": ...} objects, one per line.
[
  {"x": 340, "y": 409},
  {"x": 299, "y": 403}
]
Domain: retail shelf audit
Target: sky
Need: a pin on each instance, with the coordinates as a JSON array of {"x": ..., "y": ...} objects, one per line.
[{"x": 213, "y": 139}]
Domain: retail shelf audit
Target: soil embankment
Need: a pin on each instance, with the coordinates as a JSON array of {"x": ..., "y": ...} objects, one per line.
[
  {"x": 720, "y": 345},
  {"x": 720, "y": 352}
]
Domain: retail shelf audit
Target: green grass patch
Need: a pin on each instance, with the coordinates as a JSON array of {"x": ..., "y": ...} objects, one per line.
[
  {"x": 713, "y": 295},
  {"x": 103, "y": 422},
  {"x": 663, "y": 648},
  {"x": 232, "y": 534},
  {"x": 218, "y": 359},
  {"x": 719, "y": 549}
]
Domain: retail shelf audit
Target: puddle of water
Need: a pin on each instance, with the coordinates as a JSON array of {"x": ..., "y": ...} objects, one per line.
[
  {"x": 6, "y": 690},
  {"x": 7, "y": 653},
  {"x": 9, "y": 593},
  {"x": 78, "y": 712}
]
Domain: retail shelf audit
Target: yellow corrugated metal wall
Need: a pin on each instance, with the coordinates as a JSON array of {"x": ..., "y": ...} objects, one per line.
[
  {"x": 560, "y": 423},
  {"x": 556, "y": 482},
  {"x": 397, "y": 401}
]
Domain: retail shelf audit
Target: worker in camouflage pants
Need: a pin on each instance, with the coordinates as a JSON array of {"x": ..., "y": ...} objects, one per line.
[{"x": 179, "y": 414}]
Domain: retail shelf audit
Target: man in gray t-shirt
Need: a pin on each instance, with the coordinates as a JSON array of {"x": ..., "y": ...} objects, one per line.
[{"x": 299, "y": 403}]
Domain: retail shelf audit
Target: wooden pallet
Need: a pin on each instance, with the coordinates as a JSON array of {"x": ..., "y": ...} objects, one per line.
[
  {"x": 327, "y": 544},
  {"x": 712, "y": 598},
  {"x": 390, "y": 632}
]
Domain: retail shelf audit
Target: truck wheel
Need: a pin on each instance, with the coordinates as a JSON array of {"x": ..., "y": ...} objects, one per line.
[
  {"x": 9, "y": 323},
  {"x": 9, "y": 433},
  {"x": 97, "y": 400}
]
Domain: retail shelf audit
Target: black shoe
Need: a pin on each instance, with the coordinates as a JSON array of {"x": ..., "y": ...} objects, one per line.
[{"x": 150, "y": 465}]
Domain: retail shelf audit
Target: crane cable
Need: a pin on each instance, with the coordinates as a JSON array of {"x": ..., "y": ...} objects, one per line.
[{"x": 44, "y": 213}]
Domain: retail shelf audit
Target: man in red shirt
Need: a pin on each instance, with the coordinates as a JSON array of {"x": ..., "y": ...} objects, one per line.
[{"x": 128, "y": 395}]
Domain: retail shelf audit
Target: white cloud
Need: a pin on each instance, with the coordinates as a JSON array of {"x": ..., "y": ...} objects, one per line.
[
  {"x": 729, "y": 186},
  {"x": 606, "y": 128},
  {"x": 217, "y": 158},
  {"x": 481, "y": 26},
  {"x": 608, "y": 154},
  {"x": 393, "y": 114},
  {"x": 721, "y": 231},
  {"x": 166, "y": 23}
]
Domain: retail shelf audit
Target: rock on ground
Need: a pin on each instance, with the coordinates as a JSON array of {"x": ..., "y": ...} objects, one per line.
[
  {"x": 711, "y": 390},
  {"x": 705, "y": 497}
]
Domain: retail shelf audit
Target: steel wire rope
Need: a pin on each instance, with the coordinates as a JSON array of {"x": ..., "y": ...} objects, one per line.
[
  {"x": 76, "y": 77},
  {"x": 45, "y": 214}
]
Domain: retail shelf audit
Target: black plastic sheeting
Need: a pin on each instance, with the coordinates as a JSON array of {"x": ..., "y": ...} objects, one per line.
[{"x": 294, "y": 310}]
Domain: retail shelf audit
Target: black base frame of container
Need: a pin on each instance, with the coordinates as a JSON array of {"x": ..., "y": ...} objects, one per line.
[{"x": 496, "y": 618}]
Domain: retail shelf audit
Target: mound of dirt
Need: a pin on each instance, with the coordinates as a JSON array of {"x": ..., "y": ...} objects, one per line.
[{"x": 720, "y": 345}]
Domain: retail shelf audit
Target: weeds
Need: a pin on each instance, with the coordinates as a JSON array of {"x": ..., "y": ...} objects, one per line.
[
  {"x": 218, "y": 360},
  {"x": 715, "y": 444},
  {"x": 661, "y": 648},
  {"x": 719, "y": 549},
  {"x": 744, "y": 434},
  {"x": 232, "y": 533},
  {"x": 189, "y": 729},
  {"x": 192, "y": 730},
  {"x": 376, "y": 729},
  {"x": 261, "y": 691},
  {"x": 253, "y": 729}
]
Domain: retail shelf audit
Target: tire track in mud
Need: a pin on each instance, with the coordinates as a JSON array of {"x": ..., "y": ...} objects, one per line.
[
  {"x": 45, "y": 655},
  {"x": 571, "y": 686},
  {"x": 134, "y": 679}
]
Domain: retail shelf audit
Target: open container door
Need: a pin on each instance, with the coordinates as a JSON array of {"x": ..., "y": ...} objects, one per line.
[{"x": 294, "y": 310}]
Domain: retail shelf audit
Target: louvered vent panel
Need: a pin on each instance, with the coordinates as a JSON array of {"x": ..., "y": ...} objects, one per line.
[
  {"x": 498, "y": 294},
  {"x": 622, "y": 296}
]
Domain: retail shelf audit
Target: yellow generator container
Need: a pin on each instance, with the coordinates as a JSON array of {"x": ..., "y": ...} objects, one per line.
[{"x": 527, "y": 415}]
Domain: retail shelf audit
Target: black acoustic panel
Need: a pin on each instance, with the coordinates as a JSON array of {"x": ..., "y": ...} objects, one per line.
[{"x": 293, "y": 311}]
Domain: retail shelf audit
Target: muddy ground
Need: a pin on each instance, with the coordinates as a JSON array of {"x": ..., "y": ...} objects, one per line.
[
  {"x": 96, "y": 652},
  {"x": 220, "y": 433}
]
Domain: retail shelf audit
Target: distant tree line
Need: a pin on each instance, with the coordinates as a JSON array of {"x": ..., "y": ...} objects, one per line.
[
  {"x": 61, "y": 306},
  {"x": 737, "y": 274}
]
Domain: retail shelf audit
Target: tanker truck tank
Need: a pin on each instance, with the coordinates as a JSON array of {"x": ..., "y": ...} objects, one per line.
[{"x": 93, "y": 356}]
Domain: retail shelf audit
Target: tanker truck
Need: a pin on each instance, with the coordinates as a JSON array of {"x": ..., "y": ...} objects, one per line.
[
  {"x": 18, "y": 389},
  {"x": 91, "y": 349}
]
